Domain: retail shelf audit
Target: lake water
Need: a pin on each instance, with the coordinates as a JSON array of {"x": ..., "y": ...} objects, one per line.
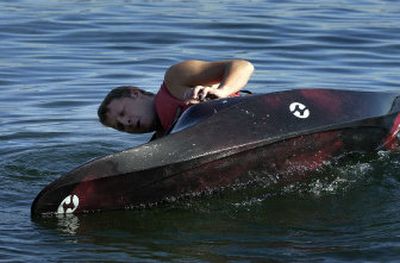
[{"x": 59, "y": 58}]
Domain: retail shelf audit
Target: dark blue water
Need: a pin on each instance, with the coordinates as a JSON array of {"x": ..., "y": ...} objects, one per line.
[{"x": 59, "y": 58}]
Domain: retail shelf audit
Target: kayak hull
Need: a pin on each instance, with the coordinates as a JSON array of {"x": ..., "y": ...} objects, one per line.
[{"x": 165, "y": 170}]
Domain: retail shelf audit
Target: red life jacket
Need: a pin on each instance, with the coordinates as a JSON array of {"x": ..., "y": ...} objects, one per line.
[{"x": 168, "y": 107}]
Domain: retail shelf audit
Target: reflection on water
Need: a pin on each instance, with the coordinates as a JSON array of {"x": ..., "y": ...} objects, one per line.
[{"x": 67, "y": 223}]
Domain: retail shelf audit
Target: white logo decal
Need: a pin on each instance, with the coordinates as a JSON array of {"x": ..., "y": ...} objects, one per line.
[
  {"x": 299, "y": 110},
  {"x": 68, "y": 205}
]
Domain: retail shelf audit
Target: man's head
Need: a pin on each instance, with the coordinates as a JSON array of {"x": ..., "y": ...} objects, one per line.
[{"x": 128, "y": 109}]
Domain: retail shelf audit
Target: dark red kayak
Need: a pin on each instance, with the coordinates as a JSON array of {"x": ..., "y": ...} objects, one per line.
[{"x": 278, "y": 138}]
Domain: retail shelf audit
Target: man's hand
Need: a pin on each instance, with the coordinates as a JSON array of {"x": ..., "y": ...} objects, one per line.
[{"x": 202, "y": 93}]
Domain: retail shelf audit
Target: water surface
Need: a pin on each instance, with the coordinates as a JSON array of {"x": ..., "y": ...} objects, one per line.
[{"x": 59, "y": 58}]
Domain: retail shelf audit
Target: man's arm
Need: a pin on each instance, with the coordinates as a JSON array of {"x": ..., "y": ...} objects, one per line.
[{"x": 193, "y": 80}]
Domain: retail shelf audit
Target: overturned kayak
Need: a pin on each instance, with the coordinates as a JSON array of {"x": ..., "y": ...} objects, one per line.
[{"x": 278, "y": 138}]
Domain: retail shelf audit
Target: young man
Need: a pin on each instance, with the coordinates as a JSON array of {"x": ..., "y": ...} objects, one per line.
[{"x": 133, "y": 110}]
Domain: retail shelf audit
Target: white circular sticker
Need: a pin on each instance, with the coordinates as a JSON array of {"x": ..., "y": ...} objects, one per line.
[
  {"x": 299, "y": 110},
  {"x": 68, "y": 205}
]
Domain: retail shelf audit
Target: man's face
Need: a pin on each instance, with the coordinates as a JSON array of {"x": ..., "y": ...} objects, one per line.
[{"x": 135, "y": 114}]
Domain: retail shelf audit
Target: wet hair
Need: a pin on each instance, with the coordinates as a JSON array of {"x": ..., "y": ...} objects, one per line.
[{"x": 116, "y": 93}]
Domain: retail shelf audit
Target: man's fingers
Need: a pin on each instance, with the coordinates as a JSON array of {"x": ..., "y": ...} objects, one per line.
[
  {"x": 200, "y": 93},
  {"x": 191, "y": 102},
  {"x": 204, "y": 93},
  {"x": 196, "y": 91}
]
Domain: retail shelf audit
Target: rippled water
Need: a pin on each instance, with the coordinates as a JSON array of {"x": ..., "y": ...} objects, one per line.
[{"x": 59, "y": 58}]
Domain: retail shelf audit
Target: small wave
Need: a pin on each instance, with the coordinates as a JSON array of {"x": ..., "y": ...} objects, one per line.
[{"x": 31, "y": 135}]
